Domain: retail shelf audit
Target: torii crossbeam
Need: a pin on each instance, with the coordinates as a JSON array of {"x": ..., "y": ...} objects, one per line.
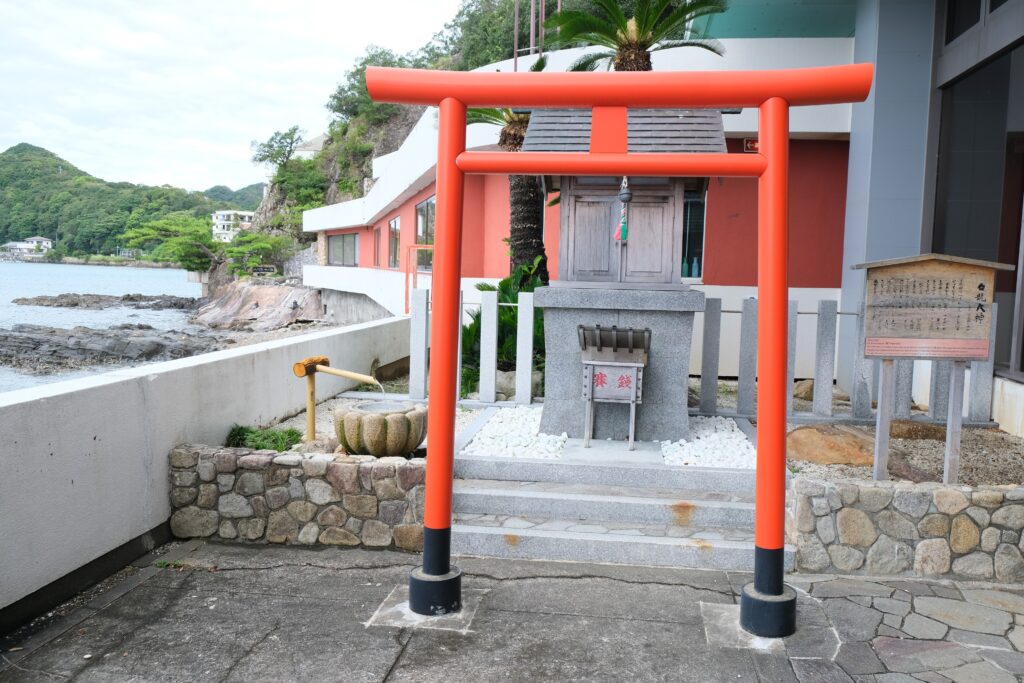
[{"x": 767, "y": 606}]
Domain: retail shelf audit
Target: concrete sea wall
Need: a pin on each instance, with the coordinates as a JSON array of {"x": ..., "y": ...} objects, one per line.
[{"x": 84, "y": 462}]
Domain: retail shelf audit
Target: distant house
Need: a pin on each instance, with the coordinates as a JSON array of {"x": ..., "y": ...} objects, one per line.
[
  {"x": 227, "y": 224},
  {"x": 29, "y": 245}
]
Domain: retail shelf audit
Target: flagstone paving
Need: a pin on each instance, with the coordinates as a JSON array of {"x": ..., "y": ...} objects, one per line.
[{"x": 235, "y": 613}]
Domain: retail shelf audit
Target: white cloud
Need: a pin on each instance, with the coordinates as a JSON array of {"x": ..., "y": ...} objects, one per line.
[{"x": 174, "y": 93}]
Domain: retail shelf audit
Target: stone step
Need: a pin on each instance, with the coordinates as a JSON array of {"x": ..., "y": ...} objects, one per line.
[
  {"x": 549, "y": 500},
  {"x": 636, "y": 475},
  {"x": 568, "y": 540}
]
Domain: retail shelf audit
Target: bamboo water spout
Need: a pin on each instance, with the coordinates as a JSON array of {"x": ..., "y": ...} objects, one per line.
[{"x": 308, "y": 367}]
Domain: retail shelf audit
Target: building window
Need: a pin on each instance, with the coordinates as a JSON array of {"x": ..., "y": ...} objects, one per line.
[
  {"x": 376, "y": 247},
  {"x": 960, "y": 16},
  {"x": 343, "y": 250},
  {"x": 693, "y": 233},
  {"x": 993, "y": 5},
  {"x": 425, "y": 232},
  {"x": 394, "y": 242}
]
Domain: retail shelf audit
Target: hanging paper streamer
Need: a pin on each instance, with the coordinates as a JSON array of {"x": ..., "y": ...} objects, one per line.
[{"x": 622, "y": 232}]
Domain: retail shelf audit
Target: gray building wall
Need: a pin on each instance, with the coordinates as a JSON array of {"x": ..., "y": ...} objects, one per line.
[{"x": 886, "y": 186}]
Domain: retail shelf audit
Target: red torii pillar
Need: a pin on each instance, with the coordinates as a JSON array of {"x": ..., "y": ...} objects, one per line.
[{"x": 767, "y": 606}]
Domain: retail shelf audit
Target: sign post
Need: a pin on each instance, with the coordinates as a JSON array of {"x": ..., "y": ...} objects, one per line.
[{"x": 933, "y": 307}]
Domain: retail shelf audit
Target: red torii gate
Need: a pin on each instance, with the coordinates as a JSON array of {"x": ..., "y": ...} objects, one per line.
[{"x": 767, "y": 606}]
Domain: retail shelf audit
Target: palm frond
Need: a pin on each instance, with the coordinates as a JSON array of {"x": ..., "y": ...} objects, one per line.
[
  {"x": 540, "y": 64},
  {"x": 575, "y": 27},
  {"x": 496, "y": 117},
  {"x": 683, "y": 15},
  {"x": 590, "y": 62},
  {"x": 614, "y": 12},
  {"x": 709, "y": 44},
  {"x": 647, "y": 15}
]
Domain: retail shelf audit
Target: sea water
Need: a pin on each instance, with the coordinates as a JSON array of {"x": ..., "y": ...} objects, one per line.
[{"x": 36, "y": 279}]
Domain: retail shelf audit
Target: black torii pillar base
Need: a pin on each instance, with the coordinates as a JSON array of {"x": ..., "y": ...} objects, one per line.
[
  {"x": 436, "y": 587},
  {"x": 767, "y": 605}
]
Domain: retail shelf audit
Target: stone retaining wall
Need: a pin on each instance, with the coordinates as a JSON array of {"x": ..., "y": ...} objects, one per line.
[
  {"x": 881, "y": 528},
  {"x": 237, "y": 494}
]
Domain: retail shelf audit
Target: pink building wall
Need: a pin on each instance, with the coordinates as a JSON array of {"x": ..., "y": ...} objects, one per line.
[{"x": 817, "y": 209}]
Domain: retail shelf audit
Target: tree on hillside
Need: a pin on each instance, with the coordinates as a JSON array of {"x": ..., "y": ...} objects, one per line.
[
  {"x": 180, "y": 238},
  {"x": 279, "y": 147},
  {"x": 250, "y": 249},
  {"x": 629, "y": 42},
  {"x": 526, "y": 195}
]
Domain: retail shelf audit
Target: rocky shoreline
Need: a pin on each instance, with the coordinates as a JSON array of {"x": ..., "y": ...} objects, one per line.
[
  {"x": 37, "y": 349},
  {"x": 100, "y": 301},
  {"x": 246, "y": 312}
]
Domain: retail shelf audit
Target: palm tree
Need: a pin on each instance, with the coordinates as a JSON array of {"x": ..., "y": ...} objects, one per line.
[
  {"x": 655, "y": 25},
  {"x": 526, "y": 194}
]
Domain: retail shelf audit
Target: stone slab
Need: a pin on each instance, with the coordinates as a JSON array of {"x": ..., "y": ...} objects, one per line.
[
  {"x": 394, "y": 612},
  {"x": 722, "y": 629}
]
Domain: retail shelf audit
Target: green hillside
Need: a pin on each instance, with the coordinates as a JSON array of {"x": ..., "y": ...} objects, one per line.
[
  {"x": 42, "y": 194},
  {"x": 247, "y": 198}
]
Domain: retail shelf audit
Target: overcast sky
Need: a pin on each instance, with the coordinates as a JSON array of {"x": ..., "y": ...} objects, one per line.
[{"x": 175, "y": 92}]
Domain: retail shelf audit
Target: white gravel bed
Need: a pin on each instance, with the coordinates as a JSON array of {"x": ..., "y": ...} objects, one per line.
[
  {"x": 515, "y": 433},
  {"x": 713, "y": 442}
]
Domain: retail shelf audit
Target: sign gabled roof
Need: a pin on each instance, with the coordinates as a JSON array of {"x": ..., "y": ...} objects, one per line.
[{"x": 934, "y": 257}]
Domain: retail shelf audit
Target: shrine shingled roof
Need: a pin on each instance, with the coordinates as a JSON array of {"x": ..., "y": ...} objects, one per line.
[{"x": 650, "y": 130}]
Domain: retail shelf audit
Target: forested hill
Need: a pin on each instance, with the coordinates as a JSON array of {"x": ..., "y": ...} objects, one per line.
[
  {"x": 247, "y": 198},
  {"x": 42, "y": 194}
]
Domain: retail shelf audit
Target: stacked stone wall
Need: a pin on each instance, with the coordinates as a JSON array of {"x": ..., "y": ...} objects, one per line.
[
  {"x": 241, "y": 495},
  {"x": 887, "y": 528}
]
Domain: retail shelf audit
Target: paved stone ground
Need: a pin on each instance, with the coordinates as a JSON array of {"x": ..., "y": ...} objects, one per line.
[{"x": 233, "y": 613}]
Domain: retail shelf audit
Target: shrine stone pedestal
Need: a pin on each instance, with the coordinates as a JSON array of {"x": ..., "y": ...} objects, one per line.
[{"x": 668, "y": 313}]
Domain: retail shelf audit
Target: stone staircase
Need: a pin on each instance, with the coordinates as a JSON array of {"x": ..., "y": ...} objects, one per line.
[{"x": 605, "y": 505}]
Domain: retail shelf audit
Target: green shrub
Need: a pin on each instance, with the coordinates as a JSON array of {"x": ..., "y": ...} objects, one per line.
[
  {"x": 522, "y": 279},
  {"x": 262, "y": 439}
]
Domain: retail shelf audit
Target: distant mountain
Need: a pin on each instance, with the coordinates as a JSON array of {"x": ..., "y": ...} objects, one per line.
[
  {"x": 42, "y": 194},
  {"x": 247, "y": 198}
]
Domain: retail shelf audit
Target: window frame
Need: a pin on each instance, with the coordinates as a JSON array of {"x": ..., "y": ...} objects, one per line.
[
  {"x": 354, "y": 236},
  {"x": 425, "y": 231},
  {"x": 395, "y": 242}
]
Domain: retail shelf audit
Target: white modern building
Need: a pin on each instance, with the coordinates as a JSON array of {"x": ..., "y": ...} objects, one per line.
[
  {"x": 227, "y": 224},
  {"x": 29, "y": 245}
]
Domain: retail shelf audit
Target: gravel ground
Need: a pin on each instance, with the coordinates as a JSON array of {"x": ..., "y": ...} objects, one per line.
[
  {"x": 713, "y": 442},
  {"x": 987, "y": 456},
  {"x": 325, "y": 416},
  {"x": 515, "y": 433}
]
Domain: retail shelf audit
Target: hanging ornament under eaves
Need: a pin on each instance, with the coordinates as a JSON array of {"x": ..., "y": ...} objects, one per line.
[{"x": 625, "y": 196}]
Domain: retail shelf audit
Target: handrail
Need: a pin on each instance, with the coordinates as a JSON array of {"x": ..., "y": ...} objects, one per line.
[{"x": 415, "y": 271}]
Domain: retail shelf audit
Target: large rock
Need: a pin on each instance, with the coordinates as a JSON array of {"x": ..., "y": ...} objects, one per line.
[
  {"x": 193, "y": 522},
  {"x": 810, "y": 554},
  {"x": 1010, "y": 517},
  {"x": 977, "y": 565},
  {"x": 259, "y": 307},
  {"x": 887, "y": 556},
  {"x": 281, "y": 527},
  {"x": 233, "y": 505},
  {"x": 949, "y": 501},
  {"x": 963, "y": 535},
  {"x": 804, "y": 390},
  {"x": 896, "y": 525},
  {"x": 1009, "y": 565},
  {"x": 932, "y": 557},
  {"x": 829, "y": 445},
  {"x": 846, "y": 558},
  {"x": 855, "y": 528},
  {"x": 320, "y": 492},
  {"x": 934, "y": 526}
]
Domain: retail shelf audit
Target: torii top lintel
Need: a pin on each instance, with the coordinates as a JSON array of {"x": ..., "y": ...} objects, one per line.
[{"x": 798, "y": 87}]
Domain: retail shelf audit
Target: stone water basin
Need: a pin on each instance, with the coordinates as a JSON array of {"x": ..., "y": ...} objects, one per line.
[{"x": 381, "y": 428}]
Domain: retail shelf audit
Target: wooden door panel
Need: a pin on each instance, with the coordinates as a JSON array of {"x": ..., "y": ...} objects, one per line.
[
  {"x": 649, "y": 249},
  {"x": 594, "y": 253}
]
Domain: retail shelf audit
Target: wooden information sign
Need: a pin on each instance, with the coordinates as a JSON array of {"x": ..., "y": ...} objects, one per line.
[
  {"x": 930, "y": 306},
  {"x": 933, "y": 307}
]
